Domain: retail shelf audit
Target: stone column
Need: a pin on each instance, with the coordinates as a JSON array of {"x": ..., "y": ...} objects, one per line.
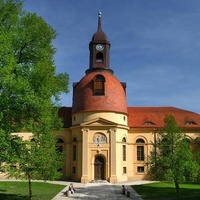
[
  {"x": 85, "y": 156},
  {"x": 113, "y": 163}
]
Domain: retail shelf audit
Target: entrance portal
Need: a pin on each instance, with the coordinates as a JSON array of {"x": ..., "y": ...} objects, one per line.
[{"x": 99, "y": 168}]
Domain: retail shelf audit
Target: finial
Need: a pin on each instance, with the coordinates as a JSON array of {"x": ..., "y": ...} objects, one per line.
[
  {"x": 100, "y": 13},
  {"x": 99, "y": 19}
]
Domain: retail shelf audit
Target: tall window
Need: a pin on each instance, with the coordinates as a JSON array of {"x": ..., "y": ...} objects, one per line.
[
  {"x": 140, "y": 149},
  {"x": 140, "y": 152},
  {"x": 99, "y": 82},
  {"x": 74, "y": 152},
  {"x": 59, "y": 148},
  {"x": 74, "y": 170},
  {"x": 124, "y": 152},
  {"x": 59, "y": 145},
  {"x": 74, "y": 148}
]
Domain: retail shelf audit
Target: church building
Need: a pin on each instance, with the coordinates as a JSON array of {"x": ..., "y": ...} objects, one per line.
[{"x": 102, "y": 138}]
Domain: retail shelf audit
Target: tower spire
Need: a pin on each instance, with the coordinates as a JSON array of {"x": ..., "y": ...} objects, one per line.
[
  {"x": 99, "y": 19},
  {"x": 99, "y": 50}
]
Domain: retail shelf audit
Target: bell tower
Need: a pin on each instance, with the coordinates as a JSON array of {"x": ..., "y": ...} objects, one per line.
[
  {"x": 99, "y": 48},
  {"x": 99, "y": 116}
]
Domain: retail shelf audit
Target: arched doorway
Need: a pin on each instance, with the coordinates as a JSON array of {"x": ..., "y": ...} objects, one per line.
[{"x": 99, "y": 168}]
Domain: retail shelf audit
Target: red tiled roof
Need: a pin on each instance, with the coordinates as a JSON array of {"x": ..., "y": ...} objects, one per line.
[{"x": 140, "y": 117}]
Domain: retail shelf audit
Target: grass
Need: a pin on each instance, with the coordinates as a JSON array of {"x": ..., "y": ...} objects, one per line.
[
  {"x": 19, "y": 190},
  {"x": 166, "y": 191}
]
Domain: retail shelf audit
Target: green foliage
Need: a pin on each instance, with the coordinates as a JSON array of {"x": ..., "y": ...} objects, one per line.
[
  {"x": 171, "y": 158},
  {"x": 196, "y": 152},
  {"x": 29, "y": 94},
  {"x": 28, "y": 82}
]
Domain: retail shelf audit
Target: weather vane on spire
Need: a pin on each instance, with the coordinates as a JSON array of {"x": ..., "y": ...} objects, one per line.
[{"x": 100, "y": 13}]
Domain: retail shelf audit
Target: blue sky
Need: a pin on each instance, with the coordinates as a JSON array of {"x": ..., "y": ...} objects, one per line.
[{"x": 155, "y": 46}]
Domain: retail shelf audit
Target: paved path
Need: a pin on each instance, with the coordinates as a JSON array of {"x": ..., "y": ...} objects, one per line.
[{"x": 101, "y": 191}]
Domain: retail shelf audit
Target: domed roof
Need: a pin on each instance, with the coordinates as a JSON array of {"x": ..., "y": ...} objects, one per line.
[
  {"x": 99, "y": 37},
  {"x": 114, "y": 99}
]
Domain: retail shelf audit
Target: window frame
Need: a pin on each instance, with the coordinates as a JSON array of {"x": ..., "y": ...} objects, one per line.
[
  {"x": 124, "y": 170},
  {"x": 139, "y": 171},
  {"x": 140, "y": 149},
  {"x": 124, "y": 152},
  {"x": 140, "y": 153},
  {"x": 99, "y": 85}
]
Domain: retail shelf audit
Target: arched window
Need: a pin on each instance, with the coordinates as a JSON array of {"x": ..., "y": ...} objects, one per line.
[
  {"x": 123, "y": 139},
  {"x": 59, "y": 140},
  {"x": 124, "y": 149},
  {"x": 140, "y": 140},
  {"x": 99, "y": 138},
  {"x": 99, "y": 57},
  {"x": 59, "y": 145},
  {"x": 99, "y": 82},
  {"x": 140, "y": 149}
]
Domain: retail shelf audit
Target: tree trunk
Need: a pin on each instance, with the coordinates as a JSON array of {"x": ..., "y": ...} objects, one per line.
[
  {"x": 30, "y": 188},
  {"x": 177, "y": 189}
]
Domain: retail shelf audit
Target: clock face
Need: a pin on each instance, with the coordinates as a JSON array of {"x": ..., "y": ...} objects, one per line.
[{"x": 99, "y": 47}]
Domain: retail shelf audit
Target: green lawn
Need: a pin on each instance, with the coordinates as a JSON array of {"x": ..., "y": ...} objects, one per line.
[
  {"x": 166, "y": 191},
  {"x": 19, "y": 190}
]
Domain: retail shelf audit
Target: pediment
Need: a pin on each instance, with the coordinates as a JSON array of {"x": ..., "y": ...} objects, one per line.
[{"x": 99, "y": 122}]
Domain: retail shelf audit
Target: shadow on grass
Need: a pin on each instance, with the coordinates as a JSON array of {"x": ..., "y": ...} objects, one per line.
[
  {"x": 165, "y": 191},
  {"x": 13, "y": 197},
  {"x": 18, "y": 190}
]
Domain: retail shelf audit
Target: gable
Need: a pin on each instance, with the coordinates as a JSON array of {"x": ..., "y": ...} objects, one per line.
[{"x": 99, "y": 122}]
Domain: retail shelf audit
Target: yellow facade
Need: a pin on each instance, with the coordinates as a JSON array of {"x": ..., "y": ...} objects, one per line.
[{"x": 109, "y": 147}]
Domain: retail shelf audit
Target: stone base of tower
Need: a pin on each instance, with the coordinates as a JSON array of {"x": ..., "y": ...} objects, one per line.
[
  {"x": 113, "y": 179},
  {"x": 85, "y": 179}
]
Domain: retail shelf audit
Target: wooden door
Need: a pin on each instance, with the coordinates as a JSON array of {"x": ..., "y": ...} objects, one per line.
[{"x": 99, "y": 168}]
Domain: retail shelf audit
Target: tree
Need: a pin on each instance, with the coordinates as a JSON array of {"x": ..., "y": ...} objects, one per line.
[
  {"x": 171, "y": 158},
  {"x": 29, "y": 94},
  {"x": 196, "y": 152},
  {"x": 33, "y": 159}
]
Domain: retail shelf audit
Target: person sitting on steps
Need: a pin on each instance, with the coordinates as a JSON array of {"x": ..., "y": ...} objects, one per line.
[{"x": 71, "y": 188}]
